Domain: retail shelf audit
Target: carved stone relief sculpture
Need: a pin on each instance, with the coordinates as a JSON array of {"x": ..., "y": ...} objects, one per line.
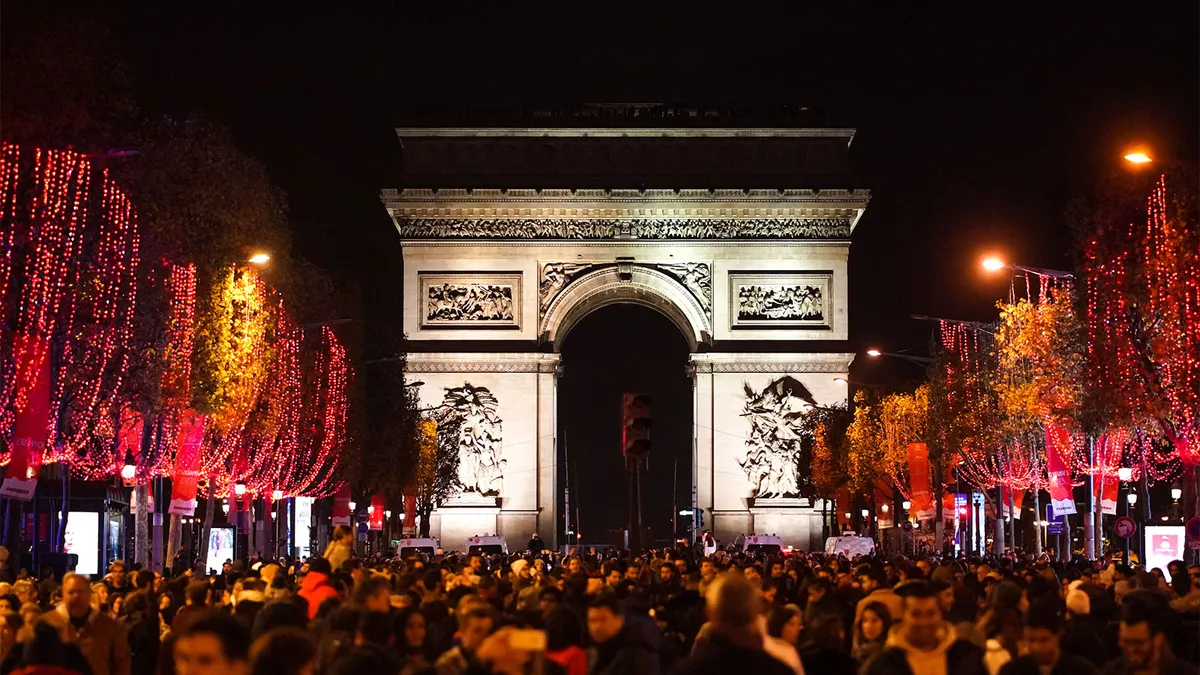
[
  {"x": 554, "y": 278},
  {"x": 470, "y": 300},
  {"x": 773, "y": 444},
  {"x": 480, "y": 442},
  {"x": 696, "y": 277},
  {"x": 774, "y": 299},
  {"x": 764, "y": 228}
]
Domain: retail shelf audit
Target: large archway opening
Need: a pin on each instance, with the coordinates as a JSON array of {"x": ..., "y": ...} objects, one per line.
[{"x": 616, "y": 349}]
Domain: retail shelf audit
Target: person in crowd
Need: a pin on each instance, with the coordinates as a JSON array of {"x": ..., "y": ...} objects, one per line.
[
  {"x": 48, "y": 644},
  {"x": 373, "y": 594},
  {"x": 474, "y": 625},
  {"x": 10, "y": 628},
  {"x": 564, "y": 641},
  {"x": 316, "y": 587},
  {"x": 102, "y": 639},
  {"x": 923, "y": 642},
  {"x": 140, "y": 623},
  {"x": 785, "y": 622},
  {"x": 735, "y": 639},
  {"x": 623, "y": 644},
  {"x": 873, "y": 583},
  {"x": 340, "y": 548},
  {"x": 1042, "y": 637},
  {"x": 196, "y": 596},
  {"x": 212, "y": 643},
  {"x": 823, "y": 649},
  {"x": 412, "y": 639},
  {"x": 283, "y": 651},
  {"x": 116, "y": 579},
  {"x": 1144, "y": 647},
  {"x": 871, "y": 632}
]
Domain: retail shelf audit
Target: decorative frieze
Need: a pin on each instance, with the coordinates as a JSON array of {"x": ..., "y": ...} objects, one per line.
[
  {"x": 482, "y": 363},
  {"x": 696, "y": 277},
  {"x": 639, "y": 228}
]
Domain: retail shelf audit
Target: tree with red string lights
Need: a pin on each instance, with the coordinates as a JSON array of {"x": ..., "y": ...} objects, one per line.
[{"x": 1142, "y": 274}]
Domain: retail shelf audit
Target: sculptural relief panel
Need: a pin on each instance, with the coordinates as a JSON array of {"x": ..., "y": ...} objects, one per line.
[
  {"x": 773, "y": 442},
  {"x": 471, "y": 300},
  {"x": 781, "y": 300}
]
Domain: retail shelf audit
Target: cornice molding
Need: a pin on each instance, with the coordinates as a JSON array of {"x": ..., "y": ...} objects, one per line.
[
  {"x": 623, "y": 229},
  {"x": 770, "y": 363},
  {"x": 451, "y": 362},
  {"x": 625, "y": 132},
  {"x": 682, "y": 197}
]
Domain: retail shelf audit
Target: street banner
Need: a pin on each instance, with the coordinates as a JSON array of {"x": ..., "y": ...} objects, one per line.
[
  {"x": 341, "y": 507},
  {"x": 1104, "y": 475},
  {"x": 918, "y": 481},
  {"x": 1058, "y": 452},
  {"x": 28, "y": 444},
  {"x": 842, "y": 505},
  {"x": 410, "y": 511},
  {"x": 186, "y": 476},
  {"x": 377, "y": 511},
  {"x": 1013, "y": 497}
]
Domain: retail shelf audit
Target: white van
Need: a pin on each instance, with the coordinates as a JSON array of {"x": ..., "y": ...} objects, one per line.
[
  {"x": 849, "y": 546},
  {"x": 487, "y": 545},
  {"x": 416, "y": 546},
  {"x": 761, "y": 543}
]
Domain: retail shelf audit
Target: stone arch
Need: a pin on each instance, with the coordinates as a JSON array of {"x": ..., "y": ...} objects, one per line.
[{"x": 639, "y": 285}]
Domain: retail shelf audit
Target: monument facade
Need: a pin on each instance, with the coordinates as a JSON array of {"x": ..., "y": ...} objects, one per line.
[{"x": 512, "y": 234}]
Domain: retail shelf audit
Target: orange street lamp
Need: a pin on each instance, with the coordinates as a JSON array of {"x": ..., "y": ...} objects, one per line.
[
  {"x": 1138, "y": 157},
  {"x": 994, "y": 264},
  {"x": 259, "y": 258},
  {"x": 874, "y": 352}
]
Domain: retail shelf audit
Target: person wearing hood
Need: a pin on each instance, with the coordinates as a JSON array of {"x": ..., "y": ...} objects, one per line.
[
  {"x": 924, "y": 642},
  {"x": 623, "y": 645},
  {"x": 316, "y": 588}
]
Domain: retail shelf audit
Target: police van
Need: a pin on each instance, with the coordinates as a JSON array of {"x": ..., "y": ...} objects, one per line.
[
  {"x": 416, "y": 546},
  {"x": 487, "y": 545},
  {"x": 760, "y": 543}
]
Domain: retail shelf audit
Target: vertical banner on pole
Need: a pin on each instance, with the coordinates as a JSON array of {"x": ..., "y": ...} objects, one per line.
[
  {"x": 1104, "y": 475},
  {"x": 918, "y": 478},
  {"x": 410, "y": 511},
  {"x": 33, "y": 416},
  {"x": 187, "y": 465},
  {"x": 1058, "y": 450},
  {"x": 377, "y": 512},
  {"x": 341, "y": 507}
]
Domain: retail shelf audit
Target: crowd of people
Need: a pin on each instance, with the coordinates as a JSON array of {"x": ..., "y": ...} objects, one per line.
[{"x": 609, "y": 613}]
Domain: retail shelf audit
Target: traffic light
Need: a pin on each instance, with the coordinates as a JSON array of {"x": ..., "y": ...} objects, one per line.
[{"x": 635, "y": 419}]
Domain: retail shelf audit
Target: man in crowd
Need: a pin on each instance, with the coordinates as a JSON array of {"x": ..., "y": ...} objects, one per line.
[
  {"x": 213, "y": 644},
  {"x": 474, "y": 625},
  {"x": 101, "y": 639},
  {"x": 874, "y": 585},
  {"x": 924, "y": 642},
  {"x": 1143, "y": 644},
  {"x": 734, "y": 641},
  {"x": 1043, "y": 633},
  {"x": 624, "y": 645}
]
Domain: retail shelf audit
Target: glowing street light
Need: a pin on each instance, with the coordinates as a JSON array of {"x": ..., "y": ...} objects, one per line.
[
  {"x": 387, "y": 514},
  {"x": 874, "y": 352},
  {"x": 128, "y": 471},
  {"x": 353, "y": 505},
  {"x": 884, "y": 508},
  {"x": 371, "y": 509},
  {"x": 1138, "y": 157},
  {"x": 259, "y": 259},
  {"x": 865, "y": 513},
  {"x": 994, "y": 264},
  {"x": 1125, "y": 474},
  {"x": 225, "y": 508},
  {"x": 239, "y": 488},
  {"x": 906, "y": 505},
  {"x": 1176, "y": 493},
  {"x": 277, "y": 495},
  {"x": 1132, "y": 497}
]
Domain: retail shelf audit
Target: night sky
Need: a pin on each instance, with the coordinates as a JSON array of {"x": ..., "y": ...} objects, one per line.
[{"x": 974, "y": 131}]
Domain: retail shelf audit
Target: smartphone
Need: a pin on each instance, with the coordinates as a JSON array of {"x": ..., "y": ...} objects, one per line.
[{"x": 528, "y": 640}]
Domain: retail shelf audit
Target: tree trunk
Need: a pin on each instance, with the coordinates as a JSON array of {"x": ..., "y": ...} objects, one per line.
[
  {"x": 141, "y": 527},
  {"x": 1191, "y": 504},
  {"x": 1037, "y": 521},
  {"x": 209, "y": 509},
  {"x": 998, "y": 530},
  {"x": 174, "y": 538}
]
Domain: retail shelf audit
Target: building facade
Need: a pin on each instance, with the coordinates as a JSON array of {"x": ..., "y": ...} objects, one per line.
[{"x": 511, "y": 235}]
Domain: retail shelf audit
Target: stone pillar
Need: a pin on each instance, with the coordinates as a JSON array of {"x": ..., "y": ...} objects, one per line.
[
  {"x": 702, "y": 440},
  {"x": 547, "y": 450}
]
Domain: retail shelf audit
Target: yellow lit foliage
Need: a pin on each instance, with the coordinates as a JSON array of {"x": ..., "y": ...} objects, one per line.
[
  {"x": 1040, "y": 361},
  {"x": 233, "y": 351}
]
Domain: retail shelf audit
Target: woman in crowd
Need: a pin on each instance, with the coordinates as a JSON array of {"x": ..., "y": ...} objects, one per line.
[{"x": 871, "y": 632}]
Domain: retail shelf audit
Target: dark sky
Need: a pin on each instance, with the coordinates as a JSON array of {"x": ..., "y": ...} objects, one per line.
[{"x": 974, "y": 130}]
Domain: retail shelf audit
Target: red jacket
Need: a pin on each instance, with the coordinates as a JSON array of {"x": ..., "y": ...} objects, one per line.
[{"x": 316, "y": 589}]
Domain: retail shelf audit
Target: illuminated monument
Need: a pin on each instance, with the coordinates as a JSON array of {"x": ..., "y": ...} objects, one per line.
[{"x": 736, "y": 229}]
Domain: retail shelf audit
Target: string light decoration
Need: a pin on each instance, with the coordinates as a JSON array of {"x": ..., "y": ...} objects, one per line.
[
  {"x": 68, "y": 276},
  {"x": 69, "y": 273}
]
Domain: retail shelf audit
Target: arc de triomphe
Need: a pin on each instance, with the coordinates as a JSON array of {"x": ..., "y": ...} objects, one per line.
[{"x": 511, "y": 235}]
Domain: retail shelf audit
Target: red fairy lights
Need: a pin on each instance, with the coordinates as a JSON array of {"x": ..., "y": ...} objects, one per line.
[{"x": 69, "y": 270}]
